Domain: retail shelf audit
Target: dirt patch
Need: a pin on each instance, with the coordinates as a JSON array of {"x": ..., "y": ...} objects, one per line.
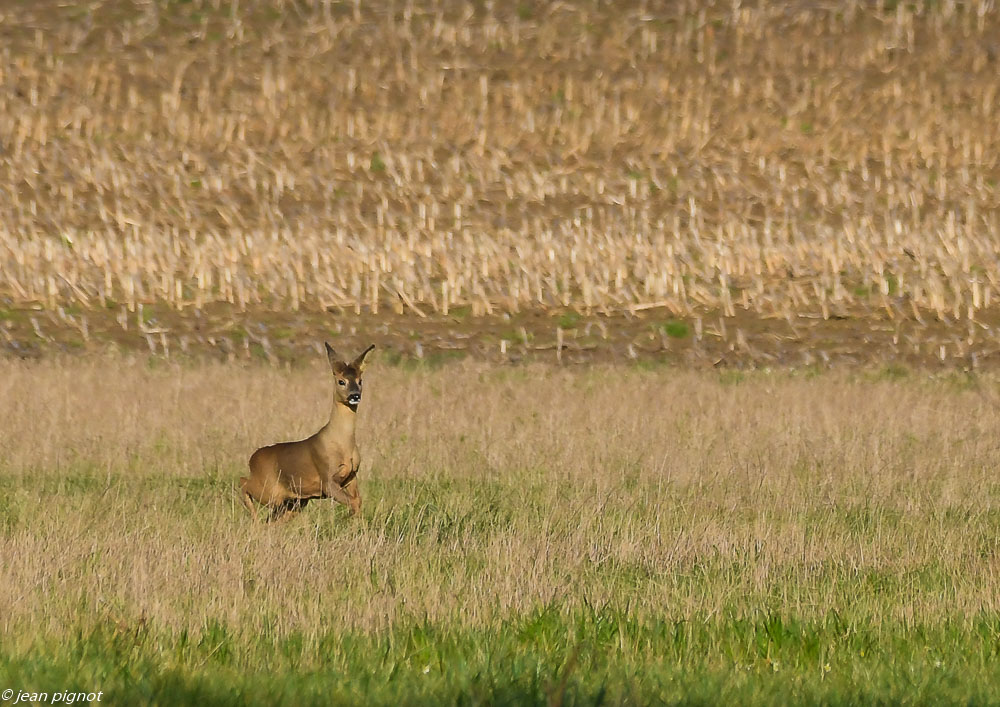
[{"x": 565, "y": 337}]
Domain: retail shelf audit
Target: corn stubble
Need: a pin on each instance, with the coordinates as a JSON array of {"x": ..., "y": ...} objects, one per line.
[{"x": 779, "y": 158}]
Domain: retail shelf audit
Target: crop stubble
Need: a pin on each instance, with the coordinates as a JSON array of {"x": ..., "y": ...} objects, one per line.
[{"x": 776, "y": 159}]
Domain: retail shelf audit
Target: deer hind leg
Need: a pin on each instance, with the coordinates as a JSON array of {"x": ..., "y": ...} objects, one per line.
[
  {"x": 244, "y": 497},
  {"x": 266, "y": 492},
  {"x": 249, "y": 493}
]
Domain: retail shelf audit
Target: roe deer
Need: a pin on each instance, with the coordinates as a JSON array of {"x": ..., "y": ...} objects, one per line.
[{"x": 285, "y": 476}]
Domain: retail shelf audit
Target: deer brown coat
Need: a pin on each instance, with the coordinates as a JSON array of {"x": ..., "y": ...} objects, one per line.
[{"x": 286, "y": 476}]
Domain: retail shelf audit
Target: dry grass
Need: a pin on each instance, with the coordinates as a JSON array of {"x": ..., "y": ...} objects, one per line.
[
  {"x": 685, "y": 536},
  {"x": 491, "y": 493},
  {"x": 777, "y": 157}
]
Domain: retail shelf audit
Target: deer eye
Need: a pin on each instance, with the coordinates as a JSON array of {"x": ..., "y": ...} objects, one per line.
[{"x": 341, "y": 382}]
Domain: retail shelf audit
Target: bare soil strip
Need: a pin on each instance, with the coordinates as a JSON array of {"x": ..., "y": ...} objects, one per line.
[{"x": 564, "y": 337}]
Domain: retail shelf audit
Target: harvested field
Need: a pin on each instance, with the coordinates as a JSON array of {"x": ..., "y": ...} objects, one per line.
[{"x": 774, "y": 159}]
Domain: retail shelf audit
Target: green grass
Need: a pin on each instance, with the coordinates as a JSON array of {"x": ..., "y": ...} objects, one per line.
[
  {"x": 568, "y": 320},
  {"x": 676, "y": 329},
  {"x": 588, "y": 656},
  {"x": 590, "y": 643}
]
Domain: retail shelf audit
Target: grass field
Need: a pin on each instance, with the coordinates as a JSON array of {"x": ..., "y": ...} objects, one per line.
[{"x": 529, "y": 536}]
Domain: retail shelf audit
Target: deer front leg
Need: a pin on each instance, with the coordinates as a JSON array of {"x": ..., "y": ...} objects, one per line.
[
  {"x": 354, "y": 496},
  {"x": 332, "y": 488},
  {"x": 337, "y": 488}
]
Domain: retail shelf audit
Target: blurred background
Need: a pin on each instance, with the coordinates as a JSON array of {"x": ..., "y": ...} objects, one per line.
[{"x": 732, "y": 182}]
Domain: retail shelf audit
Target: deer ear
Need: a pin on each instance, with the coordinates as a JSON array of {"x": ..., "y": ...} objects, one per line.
[
  {"x": 335, "y": 360},
  {"x": 359, "y": 363}
]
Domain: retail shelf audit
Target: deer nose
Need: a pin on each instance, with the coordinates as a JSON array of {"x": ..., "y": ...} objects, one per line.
[{"x": 354, "y": 398}]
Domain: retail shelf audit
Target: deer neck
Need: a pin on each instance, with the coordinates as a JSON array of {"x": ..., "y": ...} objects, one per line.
[{"x": 339, "y": 431}]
